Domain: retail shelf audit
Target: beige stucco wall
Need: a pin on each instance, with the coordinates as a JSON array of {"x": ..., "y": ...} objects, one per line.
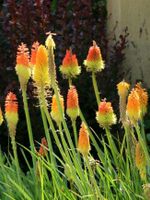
[{"x": 136, "y": 15}]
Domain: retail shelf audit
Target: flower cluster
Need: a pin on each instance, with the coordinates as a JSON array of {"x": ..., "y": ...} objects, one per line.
[
  {"x": 11, "y": 113},
  {"x": 94, "y": 61},
  {"x": 70, "y": 67},
  {"x": 105, "y": 114}
]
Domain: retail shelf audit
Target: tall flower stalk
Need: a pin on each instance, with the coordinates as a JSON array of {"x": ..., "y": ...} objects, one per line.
[
  {"x": 94, "y": 63},
  {"x": 11, "y": 115},
  {"x": 23, "y": 71},
  {"x": 52, "y": 69},
  {"x": 106, "y": 118}
]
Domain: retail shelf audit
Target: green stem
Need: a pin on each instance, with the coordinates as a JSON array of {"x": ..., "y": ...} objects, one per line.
[
  {"x": 63, "y": 141},
  {"x": 128, "y": 142},
  {"x": 143, "y": 131},
  {"x": 95, "y": 88},
  {"x": 14, "y": 147},
  {"x": 70, "y": 82},
  {"x": 63, "y": 120},
  {"x": 28, "y": 124},
  {"x": 75, "y": 132},
  {"x": 94, "y": 184},
  {"x": 112, "y": 146},
  {"x": 53, "y": 161},
  {"x": 42, "y": 181},
  {"x": 52, "y": 127}
]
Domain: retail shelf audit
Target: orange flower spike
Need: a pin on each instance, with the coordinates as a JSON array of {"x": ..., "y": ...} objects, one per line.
[
  {"x": 22, "y": 65},
  {"x": 143, "y": 97},
  {"x": 70, "y": 67},
  {"x": 33, "y": 53},
  {"x": 133, "y": 107},
  {"x": 41, "y": 69},
  {"x": 94, "y": 61},
  {"x": 1, "y": 117},
  {"x": 105, "y": 114},
  {"x": 44, "y": 145},
  {"x": 11, "y": 112},
  {"x": 72, "y": 103},
  {"x": 23, "y": 55},
  {"x": 55, "y": 113},
  {"x": 84, "y": 141}
]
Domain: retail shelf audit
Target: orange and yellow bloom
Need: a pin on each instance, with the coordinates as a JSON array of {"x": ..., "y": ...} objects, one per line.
[
  {"x": 70, "y": 67},
  {"x": 41, "y": 69},
  {"x": 55, "y": 112},
  {"x": 72, "y": 103},
  {"x": 84, "y": 141},
  {"x": 143, "y": 98},
  {"x": 11, "y": 112},
  {"x": 133, "y": 107},
  {"x": 94, "y": 61},
  {"x": 23, "y": 69},
  {"x": 105, "y": 114}
]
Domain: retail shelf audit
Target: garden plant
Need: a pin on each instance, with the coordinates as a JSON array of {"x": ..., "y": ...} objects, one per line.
[{"x": 121, "y": 169}]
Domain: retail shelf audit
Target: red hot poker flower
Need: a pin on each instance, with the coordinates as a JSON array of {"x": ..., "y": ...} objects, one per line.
[
  {"x": 22, "y": 65},
  {"x": 94, "y": 61},
  {"x": 84, "y": 141},
  {"x": 69, "y": 67},
  {"x": 72, "y": 103},
  {"x": 105, "y": 114},
  {"x": 23, "y": 55},
  {"x": 11, "y": 113}
]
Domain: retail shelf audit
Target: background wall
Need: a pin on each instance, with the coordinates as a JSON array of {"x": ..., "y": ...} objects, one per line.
[{"x": 136, "y": 16}]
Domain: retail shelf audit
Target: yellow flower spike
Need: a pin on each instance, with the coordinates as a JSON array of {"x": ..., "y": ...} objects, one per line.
[
  {"x": 11, "y": 113},
  {"x": 72, "y": 103},
  {"x": 23, "y": 69},
  {"x": 123, "y": 89},
  {"x": 133, "y": 107},
  {"x": 105, "y": 115},
  {"x": 94, "y": 61},
  {"x": 41, "y": 70},
  {"x": 1, "y": 117},
  {"x": 70, "y": 68},
  {"x": 50, "y": 44},
  {"x": 140, "y": 160},
  {"x": 84, "y": 141},
  {"x": 55, "y": 113},
  {"x": 143, "y": 97}
]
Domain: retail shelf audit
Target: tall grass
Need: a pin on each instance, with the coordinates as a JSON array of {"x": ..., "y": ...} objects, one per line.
[{"x": 76, "y": 174}]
